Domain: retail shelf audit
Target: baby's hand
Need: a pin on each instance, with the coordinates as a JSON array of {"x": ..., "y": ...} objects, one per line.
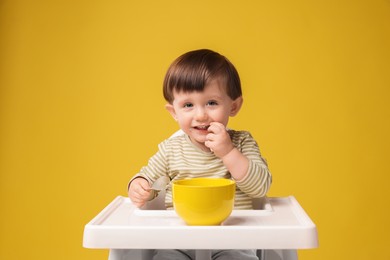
[
  {"x": 218, "y": 140},
  {"x": 139, "y": 191}
]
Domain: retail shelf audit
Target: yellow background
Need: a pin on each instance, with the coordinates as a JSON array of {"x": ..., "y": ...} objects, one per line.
[{"x": 81, "y": 110}]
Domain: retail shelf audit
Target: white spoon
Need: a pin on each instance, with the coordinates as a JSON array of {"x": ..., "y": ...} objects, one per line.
[{"x": 160, "y": 184}]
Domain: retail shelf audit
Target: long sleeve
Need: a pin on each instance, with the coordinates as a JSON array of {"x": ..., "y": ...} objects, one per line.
[{"x": 258, "y": 179}]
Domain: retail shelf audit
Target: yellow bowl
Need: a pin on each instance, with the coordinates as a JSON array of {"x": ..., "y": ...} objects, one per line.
[{"x": 203, "y": 201}]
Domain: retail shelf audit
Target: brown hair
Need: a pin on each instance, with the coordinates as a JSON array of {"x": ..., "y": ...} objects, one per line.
[{"x": 193, "y": 70}]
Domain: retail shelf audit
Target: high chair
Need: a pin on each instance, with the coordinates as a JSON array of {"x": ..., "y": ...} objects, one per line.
[{"x": 280, "y": 229}]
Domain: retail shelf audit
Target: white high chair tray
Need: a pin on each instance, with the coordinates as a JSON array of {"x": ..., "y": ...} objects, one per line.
[{"x": 282, "y": 224}]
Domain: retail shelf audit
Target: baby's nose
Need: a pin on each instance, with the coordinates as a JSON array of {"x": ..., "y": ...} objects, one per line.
[{"x": 201, "y": 114}]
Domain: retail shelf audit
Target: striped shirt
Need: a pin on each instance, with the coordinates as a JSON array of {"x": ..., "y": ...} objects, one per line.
[{"x": 178, "y": 158}]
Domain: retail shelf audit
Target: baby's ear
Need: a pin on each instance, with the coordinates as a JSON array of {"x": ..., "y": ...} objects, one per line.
[
  {"x": 171, "y": 110},
  {"x": 236, "y": 106}
]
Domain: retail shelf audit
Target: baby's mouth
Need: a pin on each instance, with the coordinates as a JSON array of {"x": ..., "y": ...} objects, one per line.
[{"x": 202, "y": 127}]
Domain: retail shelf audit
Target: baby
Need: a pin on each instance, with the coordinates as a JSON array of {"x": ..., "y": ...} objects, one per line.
[{"x": 203, "y": 90}]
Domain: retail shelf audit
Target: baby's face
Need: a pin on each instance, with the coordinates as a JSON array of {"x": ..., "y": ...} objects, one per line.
[{"x": 194, "y": 111}]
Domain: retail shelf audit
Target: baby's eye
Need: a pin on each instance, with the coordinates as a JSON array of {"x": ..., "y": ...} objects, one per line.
[
  {"x": 188, "y": 105},
  {"x": 212, "y": 103}
]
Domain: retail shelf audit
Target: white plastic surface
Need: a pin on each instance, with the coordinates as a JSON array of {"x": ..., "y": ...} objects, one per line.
[{"x": 282, "y": 224}]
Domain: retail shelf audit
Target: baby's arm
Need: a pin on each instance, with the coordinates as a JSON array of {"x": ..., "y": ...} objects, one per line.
[
  {"x": 139, "y": 191},
  {"x": 236, "y": 163},
  {"x": 218, "y": 140},
  {"x": 245, "y": 164}
]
